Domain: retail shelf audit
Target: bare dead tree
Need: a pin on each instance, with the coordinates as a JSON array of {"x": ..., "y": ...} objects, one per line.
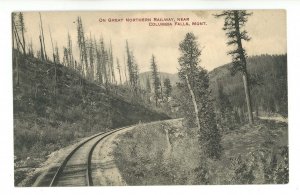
[
  {"x": 54, "y": 60},
  {"x": 43, "y": 37}
]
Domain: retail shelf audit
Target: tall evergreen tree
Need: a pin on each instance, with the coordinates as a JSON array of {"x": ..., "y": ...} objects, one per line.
[
  {"x": 16, "y": 40},
  {"x": 91, "y": 58},
  {"x": 111, "y": 61},
  {"x": 161, "y": 88},
  {"x": 70, "y": 52},
  {"x": 66, "y": 60},
  {"x": 235, "y": 21},
  {"x": 155, "y": 79},
  {"x": 55, "y": 62},
  {"x": 195, "y": 78},
  {"x": 99, "y": 63},
  {"x": 136, "y": 83},
  {"x": 148, "y": 85},
  {"x": 129, "y": 64},
  {"x": 82, "y": 46},
  {"x": 103, "y": 61},
  {"x": 119, "y": 70},
  {"x": 168, "y": 87},
  {"x": 132, "y": 69},
  {"x": 227, "y": 116}
]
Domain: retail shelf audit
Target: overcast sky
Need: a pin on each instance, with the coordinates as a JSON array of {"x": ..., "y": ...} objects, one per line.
[{"x": 266, "y": 28}]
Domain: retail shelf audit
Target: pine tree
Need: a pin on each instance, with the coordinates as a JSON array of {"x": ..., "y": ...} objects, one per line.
[
  {"x": 119, "y": 70},
  {"x": 55, "y": 62},
  {"x": 227, "y": 115},
  {"x": 66, "y": 60},
  {"x": 195, "y": 79},
  {"x": 136, "y": 84},
  {"x": 161, "y": 88},
  {"x": 129, "y": 64},
  {"x": 82, "y": 46},
  {"x": 155, "y": 79},
  {"x": 16, "y": 40},
  {"x": 103, "y": 61},
  {"x": 148, "y": 85},
  {"x": 235, "y": 20},
  {"x": 111, "y": 60},
  {"x": 91, "y": 58},
  {"x": 168, "y": 87},
  {"x": 13, "y": 16},
  {"x": 30, "y": 49},
  {"x": 99, "y": 63},
  {"x": 55, "y": 68},
  {"x": 22, "y": 29},
  {"x": 132, "y": 69},
  {"x": 70, "y": 52}
]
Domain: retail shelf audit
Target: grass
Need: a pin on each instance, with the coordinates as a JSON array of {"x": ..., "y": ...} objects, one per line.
[
  {"x": 45, "y": 121},
  {"x": 252, "y": 155}
]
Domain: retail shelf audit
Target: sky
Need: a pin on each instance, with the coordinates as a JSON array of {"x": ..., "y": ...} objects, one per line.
[{"x": 267, "y": 29}]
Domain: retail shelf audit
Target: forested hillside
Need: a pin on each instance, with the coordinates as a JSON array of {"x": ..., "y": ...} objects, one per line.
[
  {"x": 162, "y": 75},
  {"x": 268, "y": 85},
  {"x": 44, "y": 119},
  {"x": 268, "y": 82},
  {"x": 79, "y": 79}
]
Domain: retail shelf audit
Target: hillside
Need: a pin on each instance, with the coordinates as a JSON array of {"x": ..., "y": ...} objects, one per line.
[
  {"x": 268, "y": 75},
  {"x": 163, "y": 75},
  {"x": 47, "y": 118},
  {"x": 254, "y": 154},
  {"x": 268, "y": 78}
]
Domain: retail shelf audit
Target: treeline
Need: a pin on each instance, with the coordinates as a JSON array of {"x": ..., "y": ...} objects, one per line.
[
  {"x": 268, "y": 83},
  {"x": 96, "y": 62},
  {"x": 59, "y": 98}
]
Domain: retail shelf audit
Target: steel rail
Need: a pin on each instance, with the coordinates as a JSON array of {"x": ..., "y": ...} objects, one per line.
[{"x": 89, "y": 181}]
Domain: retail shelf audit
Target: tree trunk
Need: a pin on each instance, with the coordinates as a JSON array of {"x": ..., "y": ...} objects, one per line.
[
  {"x": 43, "y": 38},
  {"x": 244, "y": 72},
  {"x": 18, "y": 69},
  {"x": 120, "y": 77},
  {"x": 248, "y": 99},
  {"x": 161, "y": 91},
  {"x": 17, "y": 35},
  {"x": 42, "y": 49},
  {"x": 168, "y": 150},
  {"x": 23, "y": 38},
  {"x": 194, "y": 102}
]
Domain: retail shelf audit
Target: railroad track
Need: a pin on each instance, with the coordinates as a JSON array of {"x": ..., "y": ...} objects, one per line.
[{"x": 76, "y": 169}]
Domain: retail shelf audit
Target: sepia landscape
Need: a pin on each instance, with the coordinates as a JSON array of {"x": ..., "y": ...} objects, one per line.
[{"x": 150, "y": 98}]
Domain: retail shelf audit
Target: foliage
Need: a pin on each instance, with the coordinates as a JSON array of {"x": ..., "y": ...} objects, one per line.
[
  {"x": 132, "y": 69},
  {"x": 227, "y": 118},
  {"x": 195, "y": 78},
  {"x": 270, "y": 96},
  {"x": 144, "y": 156},
  {"x": 234, "y": 22},
  {"x": 168, "y": 87},
  {"x": 77, "y": 111},
  {"x": 155, "y": 80},
  {"x": 243, "y": 172}
]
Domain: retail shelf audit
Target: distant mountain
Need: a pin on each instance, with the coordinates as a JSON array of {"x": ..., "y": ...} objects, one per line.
[
  {"x": 163, "y": 75},
  {"x": 269, "y": 94}
]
